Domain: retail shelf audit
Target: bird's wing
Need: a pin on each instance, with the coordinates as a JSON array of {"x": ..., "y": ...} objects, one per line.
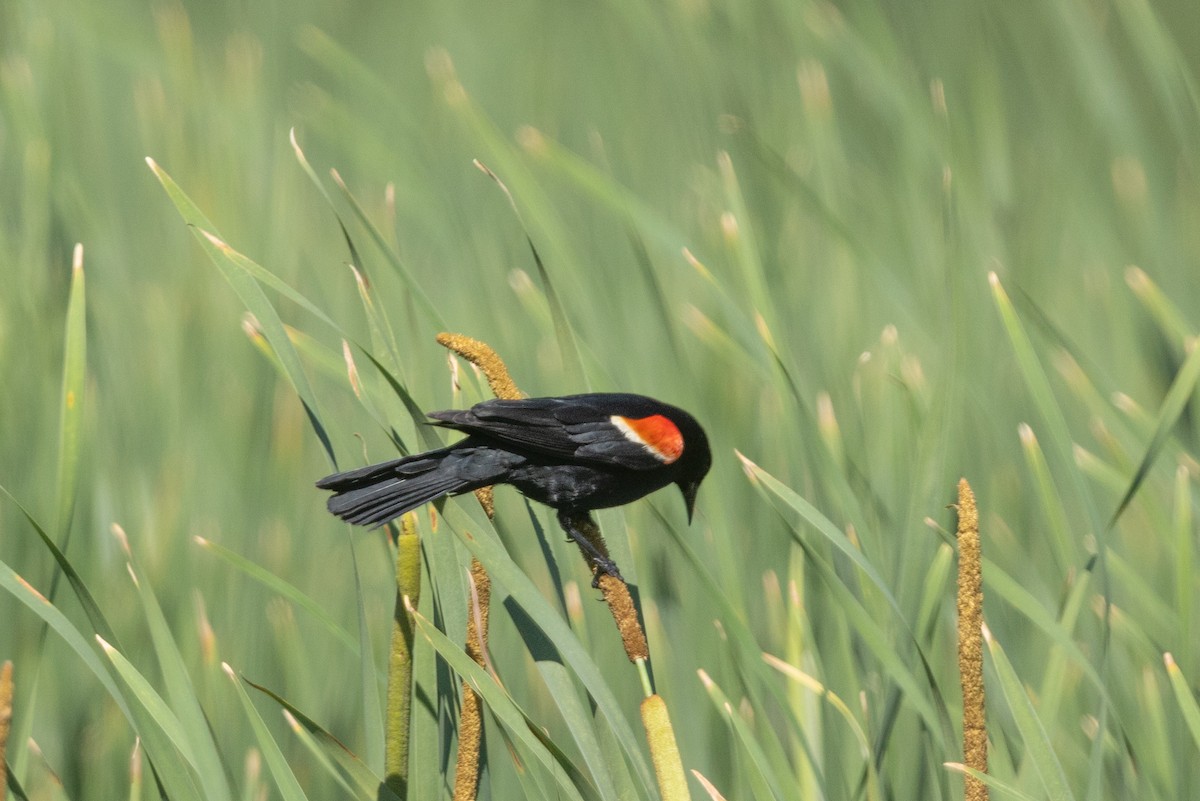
[{"x": 572, "y": 429}]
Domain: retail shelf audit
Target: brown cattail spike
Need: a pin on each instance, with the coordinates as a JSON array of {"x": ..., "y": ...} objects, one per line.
[
  {"x": 620, "y": 602},
  {"x": 970, "y": 641},
  {"x": 482, "y": 356},
  {"x": 6, "y": 697},
  {"x": 470, "y": 727}
]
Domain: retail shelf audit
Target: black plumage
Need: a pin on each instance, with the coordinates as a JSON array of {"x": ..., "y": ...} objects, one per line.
[{"x": 574, "y": 453}]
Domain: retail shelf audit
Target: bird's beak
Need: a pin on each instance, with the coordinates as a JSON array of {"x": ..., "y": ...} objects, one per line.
[{"x": 689, "y": 497}]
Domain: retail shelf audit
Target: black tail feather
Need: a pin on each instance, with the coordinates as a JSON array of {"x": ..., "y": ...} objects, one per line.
[{"x": 373, "y": 495}]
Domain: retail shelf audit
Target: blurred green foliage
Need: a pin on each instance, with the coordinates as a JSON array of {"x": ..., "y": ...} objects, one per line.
[{"x": 843, "y": 177}]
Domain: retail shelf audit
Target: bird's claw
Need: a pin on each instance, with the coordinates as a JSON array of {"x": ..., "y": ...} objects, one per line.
[{"x": 605, "y": 567}]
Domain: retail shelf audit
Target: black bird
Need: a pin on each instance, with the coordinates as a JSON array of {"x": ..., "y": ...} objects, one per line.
[{"x": 574, "y": 454}]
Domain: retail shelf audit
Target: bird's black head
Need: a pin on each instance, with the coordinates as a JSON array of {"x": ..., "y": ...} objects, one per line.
[
  {"x": 671, "y": 447},
  {"x": 695, "y": 460}
]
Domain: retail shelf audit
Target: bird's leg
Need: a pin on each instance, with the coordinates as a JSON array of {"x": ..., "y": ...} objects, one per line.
[{"x": 586, "y": 534}]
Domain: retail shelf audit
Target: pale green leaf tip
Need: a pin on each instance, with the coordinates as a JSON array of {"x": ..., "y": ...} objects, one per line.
[
  {"x": 1028, "y": 438},
  {"x": 748, "y": 466},
  {"x": 709, "y": 787},
  {"x": 1136, "y": 279},
  {"x": 229, "y": 672},
  {"x": 118, "y": 532},
  {"x": 135, "y": 761},
  {"x": 300, "y": 157},
  {"x": 216, "y": 240}
]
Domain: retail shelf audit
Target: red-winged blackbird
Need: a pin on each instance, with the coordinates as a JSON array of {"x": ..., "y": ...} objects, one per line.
[{"x": 575, "y": 454}]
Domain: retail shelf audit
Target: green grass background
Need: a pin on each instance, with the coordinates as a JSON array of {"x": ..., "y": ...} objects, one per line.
[{"x": 844, "y": 177}]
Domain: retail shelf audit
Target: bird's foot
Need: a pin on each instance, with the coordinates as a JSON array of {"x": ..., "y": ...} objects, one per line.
[
  {"x": 578, "y": 528},
  {"x": 603, "y": 566}
]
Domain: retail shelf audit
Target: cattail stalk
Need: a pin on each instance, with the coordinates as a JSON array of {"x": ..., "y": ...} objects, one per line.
[
  {"x": 400, "y": 661},
  {"x": 664, "y": 752},
  {"x": 470, "y": 721}
]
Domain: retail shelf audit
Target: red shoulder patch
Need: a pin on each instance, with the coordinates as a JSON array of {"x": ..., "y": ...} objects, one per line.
[{"x": 655, "y": 433}]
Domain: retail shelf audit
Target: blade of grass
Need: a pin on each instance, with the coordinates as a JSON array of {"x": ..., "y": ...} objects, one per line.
[
  {"x": 759, "y": 679},
  {"x": 1166, "y": 315},
  {"x": 1048, "y": 408},
  {"x": 24, "y": 592},
  {"x": 425, "y": 431},
  {"x": 285, "y": 779},
  {"x": 1064, "y": 451},
  {"x": 842, "y": 708},
  {"x": 568, "y": 343},
  {"x": 536, "y": 743},
  {"x": 580, "y": 723},
  {"x": 363, "y": 793},
  {"x": 82, "y": 594},
  {"x": 212, "y": 772},
  {"x": 1063, "y": 543},
  {"x": 538, "y": 610},
  {"x": 356, "y": 771},
  {"x": 1038, "y": 747},
  {"x": 389, "y": 253},
  {"x": 373, "y": 728},
  {"x": 791, "y": 499},
  {"x": 501, "y": 152},
  {"x": 1183, "y": 556},
  {"x": 74, "y": 379},
  {"x": 1183, "y": 696},
  {"x": 602, "y": 188},
  {"x": 383, "y": 340},
  {"x": 160, "y": 731},
  {"x": 280, "y": 586},
  {"x": 937, "y": 717},
  {"x": 203, "y": 228},
  {"x": 238, "y": 272},
  {"x": 1011, "y": 591},
  {"x": 410, "y": 280},
  {"x": 768, "y": 784},
  {"x": 1178, "y": 396},
  {"x": 1008, "y": 790}
]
